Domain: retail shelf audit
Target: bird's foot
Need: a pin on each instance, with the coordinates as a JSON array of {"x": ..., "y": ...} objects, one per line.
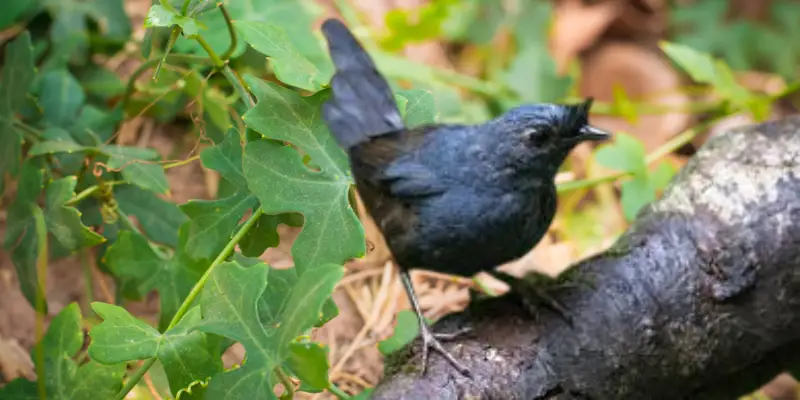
[
  {"x": 431, "y": 341},
  {"x": 532, "y": 291},
  {"x": 532, "y": 297}
]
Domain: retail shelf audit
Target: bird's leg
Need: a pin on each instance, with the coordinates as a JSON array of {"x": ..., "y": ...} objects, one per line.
[
  {"x": 429, "y": 339},
  {"x": 531, "y": 293}
]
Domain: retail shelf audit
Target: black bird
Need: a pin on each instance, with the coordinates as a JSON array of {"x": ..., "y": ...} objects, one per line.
[{"x": 457, "y": 199}]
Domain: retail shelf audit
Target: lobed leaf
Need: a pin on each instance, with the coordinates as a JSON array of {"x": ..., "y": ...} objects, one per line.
[
  {"x": 277, "y": 176},
  {"x": 187, "y": 355},
  {"x": 64, "y": 378},
  {"x": 159, "y": 15},
  {"x": 291, "y": 67},
  {"x": 237, "y": 303}
]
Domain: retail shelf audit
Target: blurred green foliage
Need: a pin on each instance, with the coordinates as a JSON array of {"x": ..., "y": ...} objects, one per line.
[{"x": 252, "y": 95}]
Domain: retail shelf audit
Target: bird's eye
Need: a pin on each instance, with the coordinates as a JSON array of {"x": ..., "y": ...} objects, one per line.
[{"x": 538, "y": 137}]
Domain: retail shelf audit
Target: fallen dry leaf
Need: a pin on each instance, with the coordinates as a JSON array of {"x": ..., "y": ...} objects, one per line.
[{"x": 577, "y": 26}]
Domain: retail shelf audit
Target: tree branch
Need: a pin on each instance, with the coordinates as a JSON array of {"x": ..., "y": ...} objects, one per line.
[{"x": 698, "y": 299}]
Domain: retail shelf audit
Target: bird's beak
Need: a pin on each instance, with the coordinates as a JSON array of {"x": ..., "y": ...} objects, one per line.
[{"x": 588, "y": 132}]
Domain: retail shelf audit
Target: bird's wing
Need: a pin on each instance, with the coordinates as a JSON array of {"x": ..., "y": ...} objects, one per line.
[
  {"x": 391, "y": 164},
  {"x": 408, "y": 179}
]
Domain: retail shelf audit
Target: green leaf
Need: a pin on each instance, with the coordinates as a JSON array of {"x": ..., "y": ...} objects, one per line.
[
  {"x": 291, "y": 67},
  {"x": 532, "y": 74},
  {"x": 100, "y": 82},
  {"x": 699, "y": 66},
  {"x": 121, "y": 337},
  {"x": 61, "y": 98},
  {"x": 132, "y": 258},
  {"x": 230, "y": 304},
  {"x": 277, "y": 176},
  {"x": 53, "y": 147},
  {"x": 186, "y": 354},
  {"x": 17, "y": 75},
  {"x": 625, "y": 154},
  {"x": 415, "y": 25},
  {"x": 64, "y": 379},
  {"x": 213, "y": 223},
  {"x": 13, "y": 10},
  {"x": 405, "y": 331},
  {"x": 226, "y": 158},
  {"x": 309, "y": 362},
  {"x": 262, "y": 235},
  {"x": 296, "y": 18},
  {"x": 662, "y": 175},
  {"x": 64, "y": 221},
  {"x": 19, "y": 389},
  {"x": 636, "y": 193},
  {"x": 20, "y": 237},
  {"x": 705, "y": 69},
  {"x": 160, "y": 219},
  {"x": 137, "y": 167},
  {"x": 419, "y": 107},
  {"x": 160, "y": 16}
]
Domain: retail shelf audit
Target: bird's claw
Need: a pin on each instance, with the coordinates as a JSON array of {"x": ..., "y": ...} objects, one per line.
[
  {"x": 551, "y": 303},
  {"x": 451, "y": 335},
  {"x": 430, "y": 340}
]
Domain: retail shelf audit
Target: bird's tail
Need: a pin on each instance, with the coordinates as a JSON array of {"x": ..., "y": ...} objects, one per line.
[{"x": 362, "y": 104}]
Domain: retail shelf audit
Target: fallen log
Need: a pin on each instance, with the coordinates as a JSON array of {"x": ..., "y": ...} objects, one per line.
[{"x": 699, "y": 299}]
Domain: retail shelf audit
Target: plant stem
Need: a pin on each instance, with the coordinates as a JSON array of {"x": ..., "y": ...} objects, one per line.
[
  {"x": 218, "y": 63},
  {"x": 286, "y": 382},
  {"x": 41, "y": 271},
  {"x": 182, "y": 162},
  {"x": 135, "y": 378},
  {"x": 338, "y": 392},
  {"x": 231, "y": 31},
  {"x": 90, "y": 191},
  {"x": 185, "y": 6},
  {"x": 172, "y": 58},
  {"x": 239, "y": 86},
  {"x": 184, "y": 308},
  {"x": 173, "y": 37},
  {"x": 88, "y": 280}
]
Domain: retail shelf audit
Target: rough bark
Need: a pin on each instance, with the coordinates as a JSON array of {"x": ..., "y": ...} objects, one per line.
[{"x": 698, "y": 299}]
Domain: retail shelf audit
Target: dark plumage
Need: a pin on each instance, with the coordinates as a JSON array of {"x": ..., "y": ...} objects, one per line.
[{"x": 458, "y": 199}]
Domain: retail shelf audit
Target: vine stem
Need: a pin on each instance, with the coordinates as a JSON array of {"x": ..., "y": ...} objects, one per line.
[
  {"x": 286, "y": 382},
  {"x": 231, "y": 31},
  {"x": 338, "y": 392},
  {"x": 41, "y": 271},
  {"x": 187, "y": 303}
]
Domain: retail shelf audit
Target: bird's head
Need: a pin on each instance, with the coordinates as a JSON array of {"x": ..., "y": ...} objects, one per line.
[{"x": 543, "y": 134}]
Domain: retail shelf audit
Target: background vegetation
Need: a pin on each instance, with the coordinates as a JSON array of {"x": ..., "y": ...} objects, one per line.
[{"x": 172, "y": 200}]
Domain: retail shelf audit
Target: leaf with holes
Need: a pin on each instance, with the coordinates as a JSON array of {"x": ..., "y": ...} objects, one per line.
[
  {"x": 186, "y": 354},
  {"x": 231, "y": 308},
  {"x": 277, "y": 176},
  {"x": 213, "y": 222}
]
